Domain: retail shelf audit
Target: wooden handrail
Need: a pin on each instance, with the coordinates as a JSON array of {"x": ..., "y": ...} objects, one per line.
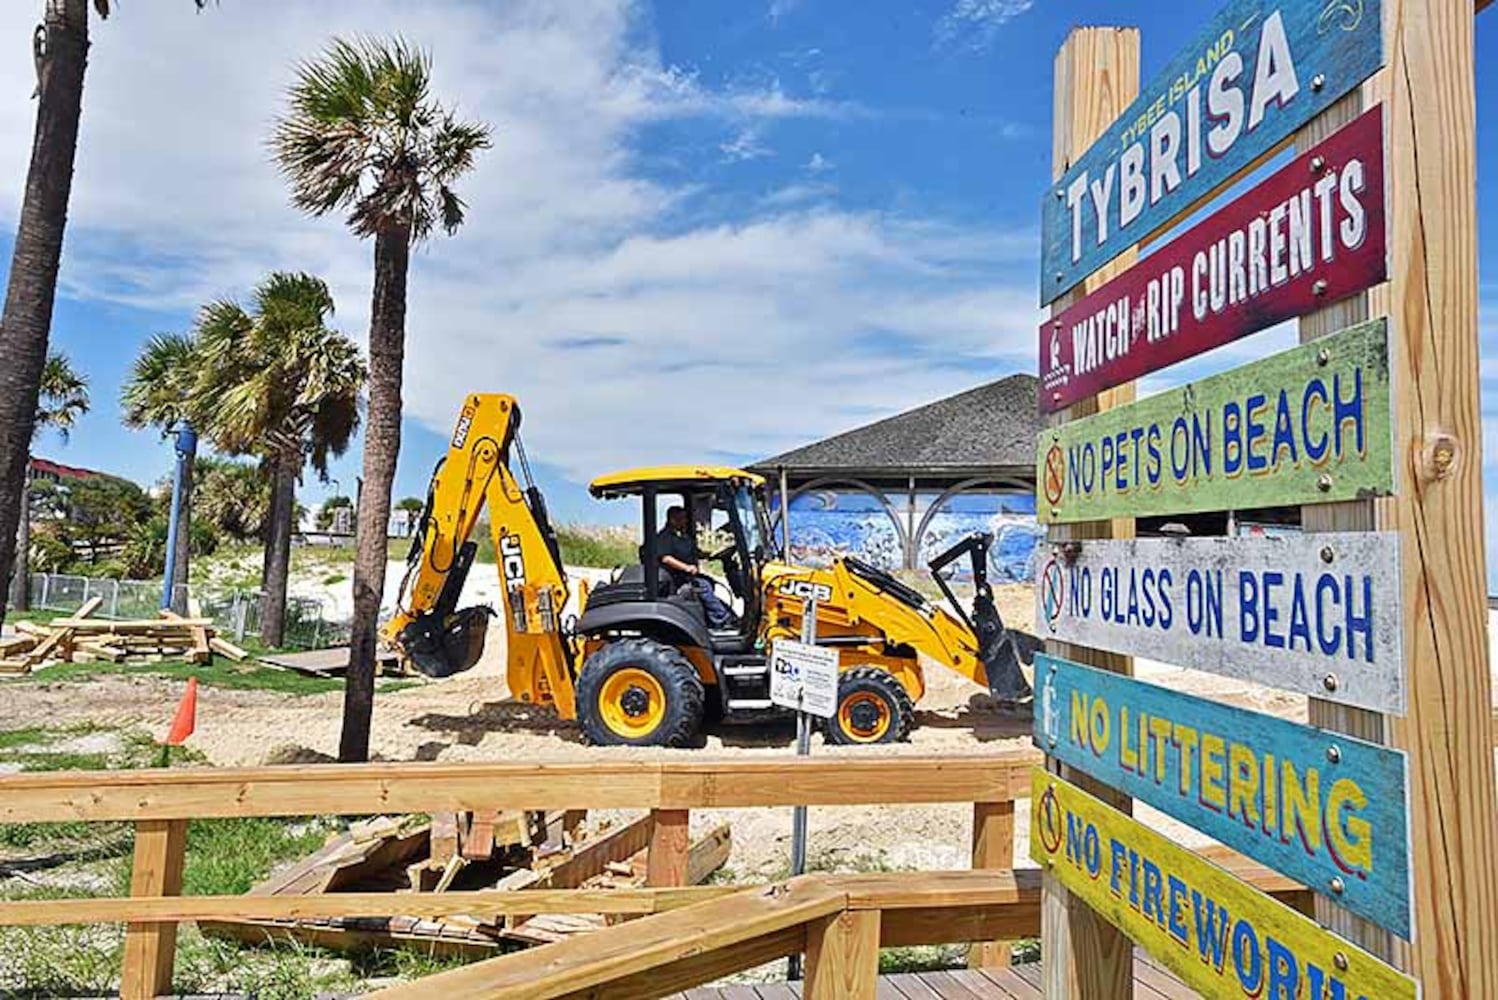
[{"x": 362, "y": 789}]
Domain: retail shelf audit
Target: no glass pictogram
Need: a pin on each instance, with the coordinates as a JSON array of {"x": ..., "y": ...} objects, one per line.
[{"x": 1051, "y": 591}]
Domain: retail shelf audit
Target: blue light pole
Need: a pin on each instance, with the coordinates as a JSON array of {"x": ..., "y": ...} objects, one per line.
[{"x": 186, "y": 448}]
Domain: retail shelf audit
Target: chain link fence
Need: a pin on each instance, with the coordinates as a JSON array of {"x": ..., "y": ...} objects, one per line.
[{"x": 234, "y": 612}]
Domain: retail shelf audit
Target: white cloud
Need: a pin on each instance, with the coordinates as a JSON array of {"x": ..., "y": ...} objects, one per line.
[
  {"x": 632, "y": 327},
  {"x": 780, "y": 8},
  {"x": 818, "y": 164},
  {"x": 975, "y": 23},
  {"x": 745, "y": 145}
]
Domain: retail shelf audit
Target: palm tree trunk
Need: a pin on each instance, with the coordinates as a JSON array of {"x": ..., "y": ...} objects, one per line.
[
  {"x": 382, "y": 442},
  {"x": 27, "y": 318},
  {"x": 277, "y": 566},
  {"x": 183, "y": 547},
  {"x": 20, "y": 582}
]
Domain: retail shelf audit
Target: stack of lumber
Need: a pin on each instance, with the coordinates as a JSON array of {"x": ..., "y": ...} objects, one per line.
[
  {"x": 485, "y": 849},
  {"x": 81, "y": 638}
]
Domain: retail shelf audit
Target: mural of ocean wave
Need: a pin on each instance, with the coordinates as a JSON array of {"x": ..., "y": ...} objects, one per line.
[{"x": 828, "y": 524}]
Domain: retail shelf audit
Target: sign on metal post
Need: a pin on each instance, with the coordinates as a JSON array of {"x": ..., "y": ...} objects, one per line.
[
  {"x": 1308, "y": 425},
  {"x": 801, "y": 676},
  {"x": 1260, "y": 71},
  {"x": 1325, "y": 808},
  {"x": 1220, "y": 935},
  {"x": 1317, "y": 614},
  {"x": 1309, "y": 235},
  {"x": 804, "y": 677}
]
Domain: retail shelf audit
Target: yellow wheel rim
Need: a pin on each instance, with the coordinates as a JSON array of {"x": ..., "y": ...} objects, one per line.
[
  {"x": 864, "y": 716},
  {"x": 632, "y": 703}
]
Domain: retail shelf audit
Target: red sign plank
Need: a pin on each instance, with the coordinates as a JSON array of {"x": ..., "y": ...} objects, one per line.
[{"x": 1310, "y": 234}]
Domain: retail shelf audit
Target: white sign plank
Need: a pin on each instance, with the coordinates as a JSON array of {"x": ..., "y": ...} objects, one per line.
[
  {"x": 1316, "y": 614},
  {"x": 804, "y": 677}
]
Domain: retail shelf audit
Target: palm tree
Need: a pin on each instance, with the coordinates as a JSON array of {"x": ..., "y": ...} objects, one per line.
[
  {"x": 158, "y": 393},
  {"x": 62, "y": 400},
  {"x": 61, "y": 48},
  {"x": 233, "y": 497},
  {"x": 276, "y": 382},
  {"x": 364, "y": 136}
]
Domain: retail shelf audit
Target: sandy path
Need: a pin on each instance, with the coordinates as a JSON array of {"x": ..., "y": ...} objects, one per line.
[{"x": 470, "y": 717}]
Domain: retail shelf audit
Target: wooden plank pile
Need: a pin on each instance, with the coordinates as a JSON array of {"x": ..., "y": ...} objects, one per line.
[
  {"x": 485, "y": 849},
  {"x": 81, "y": 638}
]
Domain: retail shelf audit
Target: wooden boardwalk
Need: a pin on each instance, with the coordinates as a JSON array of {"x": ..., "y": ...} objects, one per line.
[{"x": 1022, "y": 982}]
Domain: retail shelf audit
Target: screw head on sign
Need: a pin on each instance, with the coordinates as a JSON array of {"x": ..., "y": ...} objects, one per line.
[
  {"x": 1052, "y": 740},
  {"x": 1330, "y": 682},
  {"x": 1327, "y": 555},
  {"x": 1324, "y": 483},
  {"x": 1318, "y": 81},
  {"x": 1319, "y": 287},
  {"x": 1337, "y": 886},
  {"x": 1318, "y": 163},
  {"x": 1056, "y": 394},
  {"x": 1340, "y": 961},
  {"x": 1323, "y": 357},
  {"x": 1334, "y": 754},
  {"x": 1060, "y": 195},
  {"x": 1060, "y": 276}
]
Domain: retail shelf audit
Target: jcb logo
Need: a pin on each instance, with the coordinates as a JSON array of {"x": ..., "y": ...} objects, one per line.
[
  {"x": 511, "y": 561},
  {"x": 465, "y": 421},
  {"x": 806, "y": 590}
]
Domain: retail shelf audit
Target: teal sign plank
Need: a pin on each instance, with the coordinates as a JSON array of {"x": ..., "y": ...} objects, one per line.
[
  {"x": 1309, "y": 425},
  {"x": 1321, "y": 807},
  {"x": 1260, "y": 71}
]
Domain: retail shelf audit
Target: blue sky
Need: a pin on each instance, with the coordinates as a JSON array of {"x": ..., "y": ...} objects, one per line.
[{"x": 707, "y": 230}]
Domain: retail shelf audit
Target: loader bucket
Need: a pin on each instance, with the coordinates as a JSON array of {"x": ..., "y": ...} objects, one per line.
[
  {"x": 1001, "y": 650},
  {"x": 447, "y": 648}
]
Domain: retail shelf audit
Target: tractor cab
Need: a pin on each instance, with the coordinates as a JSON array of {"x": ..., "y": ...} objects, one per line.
[{"x": 725, "y": 508}]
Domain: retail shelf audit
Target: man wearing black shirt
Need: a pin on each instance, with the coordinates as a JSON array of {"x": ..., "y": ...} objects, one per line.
[{"x": 677, "y": 547}]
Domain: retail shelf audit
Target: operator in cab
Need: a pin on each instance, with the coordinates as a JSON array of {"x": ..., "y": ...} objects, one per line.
[{"x": 677, "y": 545}]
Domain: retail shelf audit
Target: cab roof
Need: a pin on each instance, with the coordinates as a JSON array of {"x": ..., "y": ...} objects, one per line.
[{"x": 631, "y": 481}]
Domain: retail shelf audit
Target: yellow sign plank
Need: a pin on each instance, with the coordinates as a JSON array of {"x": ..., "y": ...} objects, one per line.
[{"x": 1222, "y": 937}]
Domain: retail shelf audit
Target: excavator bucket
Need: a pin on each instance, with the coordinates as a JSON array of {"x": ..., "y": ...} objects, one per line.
[
  {"x": 441, "y": 649},
  {"x": 1001, "y": 649}
]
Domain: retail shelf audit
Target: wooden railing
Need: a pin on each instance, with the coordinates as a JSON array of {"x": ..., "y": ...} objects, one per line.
[{"x": 160, "y": 803}]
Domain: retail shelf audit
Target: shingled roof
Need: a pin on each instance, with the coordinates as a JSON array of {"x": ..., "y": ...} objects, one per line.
[{"x": 992, "y": 426}]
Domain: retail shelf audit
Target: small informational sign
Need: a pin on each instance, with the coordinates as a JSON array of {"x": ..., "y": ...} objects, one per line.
[
  {"x": 804, "y": 677},
  {"x": 1314, "y": 614},
  {"x": 1261, "y": 70},
  {"x": 1312, "y": 233},
  {"x": 1324, "y": 808},
  {"x": 1221, "y": 936},
  {"x": 1308, "y": 425}
]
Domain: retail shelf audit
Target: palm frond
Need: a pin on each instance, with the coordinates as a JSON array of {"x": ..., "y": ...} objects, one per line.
[
  {"x": 63, "y": 397},
  {"x": 363, "y": 135}
]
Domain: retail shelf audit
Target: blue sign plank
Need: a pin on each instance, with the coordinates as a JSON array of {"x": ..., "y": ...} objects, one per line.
[
  {"x": 1261, "y": 70},
  {"x": 1321, "y": 807}
]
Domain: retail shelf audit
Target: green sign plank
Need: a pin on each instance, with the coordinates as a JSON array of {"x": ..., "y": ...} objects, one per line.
[{"x": 1310, "y": 425}]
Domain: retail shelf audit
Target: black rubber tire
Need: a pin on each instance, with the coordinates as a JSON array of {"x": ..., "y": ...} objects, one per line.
[
  {"x": 672, "y": 671},
  {"x": 882, "y": 684}
]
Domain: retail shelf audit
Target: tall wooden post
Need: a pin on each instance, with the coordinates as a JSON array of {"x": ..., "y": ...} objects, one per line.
[
  {"x": 1428, "y": 90},
  {"x": 1432, "y": 299},
  {"x": 1097, "y": 77}
]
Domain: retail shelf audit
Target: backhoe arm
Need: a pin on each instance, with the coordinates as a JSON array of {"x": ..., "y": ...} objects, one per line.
[{"x": 428, "y": 628}]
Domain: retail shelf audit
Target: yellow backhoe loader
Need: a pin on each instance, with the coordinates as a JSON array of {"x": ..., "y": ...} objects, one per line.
[{"x": 640, "y": 664}]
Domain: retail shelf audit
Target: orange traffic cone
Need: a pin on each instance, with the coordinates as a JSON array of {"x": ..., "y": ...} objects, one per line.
[{"x": 186, "y": 718}]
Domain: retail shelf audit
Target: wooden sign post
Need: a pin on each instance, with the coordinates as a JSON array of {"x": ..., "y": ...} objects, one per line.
[{"x": 1325, "y": 75}]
